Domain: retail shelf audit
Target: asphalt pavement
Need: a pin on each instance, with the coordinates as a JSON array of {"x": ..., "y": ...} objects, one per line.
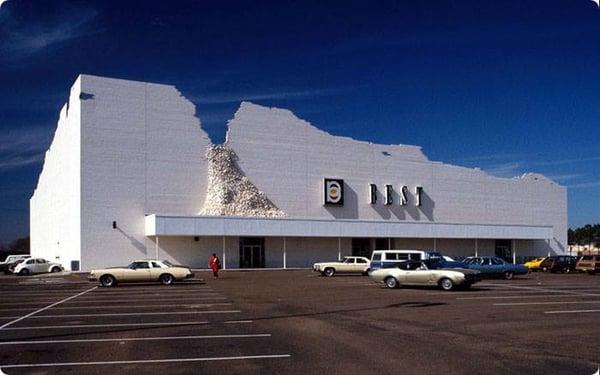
[{"x": 276, "y": 322}]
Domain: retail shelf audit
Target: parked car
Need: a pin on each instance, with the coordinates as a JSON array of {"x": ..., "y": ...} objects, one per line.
[
  {"x": 36, "y": 265},
  {"x": 559, "y": 263},
  {"x": 495, "y": 267},
  {"x": 534, "y": 264},
  {"x": 10, "y": 261},
  {"x": 415, "y": 272},
  {"x": 350, "y": 264},
  {"x": 589, "y": 264},
  {"x": 389, "y": 258},
  {"x": 142, "y": 270},
  {"x": 443, "y": 262}
]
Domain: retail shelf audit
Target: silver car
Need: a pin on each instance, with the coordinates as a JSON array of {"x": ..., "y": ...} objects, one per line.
[{"x": 414, "y": 272}]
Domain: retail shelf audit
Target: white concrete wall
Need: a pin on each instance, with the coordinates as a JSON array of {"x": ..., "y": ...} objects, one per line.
[
  {"x": 142, "y": 152},
  {"x": 55, "y": 226},
  {"x": 195, "y": 254},
  {"x": 287, "y": 158}
]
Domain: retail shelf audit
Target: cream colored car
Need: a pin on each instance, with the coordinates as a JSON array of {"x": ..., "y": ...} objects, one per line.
[
  {"x": 414, "y": 272},
  {"x": 142, "y": 270},
  {"x": 347, "y": 265}
]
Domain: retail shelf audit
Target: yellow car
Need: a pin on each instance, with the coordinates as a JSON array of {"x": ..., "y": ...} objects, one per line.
[{"x": 534, "y": 265}]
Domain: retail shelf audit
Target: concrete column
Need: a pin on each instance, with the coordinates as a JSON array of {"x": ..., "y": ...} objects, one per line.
[
  {"x": 284, "y": 253},
  {"x": 389, "y": 243},
  {"x": 156, "y": 248},
  {"x": 339, "y": 249},
  {"x": 476, "y": 248},
  {"x": 514, "y": 251},
  {"x": 224, "y": 261},
  {"x": 434, "y": 244}
]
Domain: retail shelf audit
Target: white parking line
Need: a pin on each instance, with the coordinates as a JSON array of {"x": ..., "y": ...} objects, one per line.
[
  {"x": 45, "y": 308},
  {"x": 529, "y": 296},
  {"x": 128, "y": 314},
  {"x": 154, "y": 306},
  {"x": 172, "y": 360},
  {"x": 136, "y": 339},
  {"x": 158, "y": 324},
  {"x": 117, "y": 301},
  {"x": 571, "y": 311},
  {"x": 545, "y": 303},
  {"x": 238, "y": 322}
]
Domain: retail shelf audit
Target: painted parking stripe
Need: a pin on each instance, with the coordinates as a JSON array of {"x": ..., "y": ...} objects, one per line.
[
  {"x": 256, "y": 335},
  {"x": 238, "y": 322},
  {"x": 5, "y": 326},
  {"x": 571, "y": 311},
  {"x": 95, "y": 307},
  {"x": 116, "y": 301},
  {"x": 546, "y": 303},
  {"x": 529, "y": 296},
  {"x": 148, "y": 361},
  {"x": 157, "y": 324},
  {"x": 128, "y": 314}
]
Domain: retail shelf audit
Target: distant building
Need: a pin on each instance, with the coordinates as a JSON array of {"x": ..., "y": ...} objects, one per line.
[{"x": 131, "y": 174}]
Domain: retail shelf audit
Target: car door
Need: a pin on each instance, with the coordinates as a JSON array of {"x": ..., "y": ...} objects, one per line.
[
  {"x": 40, "y": 265},
  {"x": 361, "y": 265},
  {"x": 497, "y": 266},
  {"x": 348, "y": 265},
  {"x": 30, "y": 265},
  {"x": 416, "y": 274},
  {"x": 137, "y": 271}
]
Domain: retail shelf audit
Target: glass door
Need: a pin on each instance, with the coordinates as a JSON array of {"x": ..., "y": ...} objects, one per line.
[{"x": 252, "y": 253}]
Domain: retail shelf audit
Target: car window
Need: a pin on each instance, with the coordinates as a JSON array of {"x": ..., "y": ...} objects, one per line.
[
  {"x": 587, "y": 257},
  {"x": 30, "y": 261},
  {"x": 156, "y": 265},
  {"x": 377, "y": 256},
  {"x": 360, "y": 260},
  {"x": 496, "y": 261},
  {"x": 135, "y": 265},
  {"x": 415, "y": 256}
]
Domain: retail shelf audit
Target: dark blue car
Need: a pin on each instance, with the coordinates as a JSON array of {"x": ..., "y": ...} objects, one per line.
[{"x": 495, "y": 267}]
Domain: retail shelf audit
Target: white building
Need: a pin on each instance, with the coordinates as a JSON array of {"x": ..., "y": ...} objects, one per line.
[{"x": 131, "y": 174}]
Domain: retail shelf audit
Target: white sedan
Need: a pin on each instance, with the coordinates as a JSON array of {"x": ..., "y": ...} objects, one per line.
[
  {"x": 142, "y": 270},
  {"x": 36, "y": 265},
  {"x": 347, "y": 265}
]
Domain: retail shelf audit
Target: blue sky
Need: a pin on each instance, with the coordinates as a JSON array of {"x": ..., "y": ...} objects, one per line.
[{"x": 508, "y": 86}]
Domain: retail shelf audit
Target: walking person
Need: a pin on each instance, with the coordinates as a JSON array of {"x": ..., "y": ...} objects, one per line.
[{"x": 214, "y": 264}]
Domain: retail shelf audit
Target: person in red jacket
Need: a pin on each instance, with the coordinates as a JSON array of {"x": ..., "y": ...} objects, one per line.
[{"x": 214, "y": 264}]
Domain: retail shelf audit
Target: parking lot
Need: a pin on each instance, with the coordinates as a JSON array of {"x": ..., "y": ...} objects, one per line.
[{"x": 298, "y": 322}]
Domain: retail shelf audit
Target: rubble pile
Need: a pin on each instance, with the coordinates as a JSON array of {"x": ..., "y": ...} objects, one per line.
[{"x": 229, "y": 192}]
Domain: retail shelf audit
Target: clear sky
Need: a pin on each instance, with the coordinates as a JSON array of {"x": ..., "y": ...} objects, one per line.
[{"x": 510, "y": 86}]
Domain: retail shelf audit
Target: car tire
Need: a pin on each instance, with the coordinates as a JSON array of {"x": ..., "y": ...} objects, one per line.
[
  {"x": 391, "y": 282},
  {"x": 329, "y": 272},
  {"x": 166, "y": 279},
  {"x": 446, "y": 284},
  {"x": 566, "y": 270},
  {"x": 108, "y": 281},
  {"x": 24, "y": 272},
  {"x": 544, "y": 269},
  {"x": 508, "y": 275},
  {"x": 55, "y": 269}
]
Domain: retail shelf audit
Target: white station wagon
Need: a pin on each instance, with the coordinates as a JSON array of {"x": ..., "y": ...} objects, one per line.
[{"x": 349, "y": 264}]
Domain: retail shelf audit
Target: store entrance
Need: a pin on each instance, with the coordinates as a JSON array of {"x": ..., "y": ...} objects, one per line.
[
  {"x": 361, "y": 247},
  {"x": 252, "y": 252},
  {"x": 504, "y": 250}
]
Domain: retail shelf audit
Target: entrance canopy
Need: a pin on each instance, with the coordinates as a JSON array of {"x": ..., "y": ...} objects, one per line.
[{"x": 167, "y": 225}]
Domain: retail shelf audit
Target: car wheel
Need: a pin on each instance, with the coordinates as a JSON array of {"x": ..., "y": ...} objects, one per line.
[
  {"x": 329, "y": 272},
  {"x": 566, "y": 270},
  {"x": 508, "y": 275},
  {"x": 108, "y": 280},
  {"x": 166, "y": 279},
  {"x": 24, "y": 272},
  {"x": 55, "y": 269},
  {"x": 391, "y": 282},
  {"x": 446, "y": 284},
  {"x": 544, "y": 269}
]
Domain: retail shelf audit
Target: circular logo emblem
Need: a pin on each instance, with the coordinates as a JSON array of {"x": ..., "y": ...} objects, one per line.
[{"x": 334, "y": 194}]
